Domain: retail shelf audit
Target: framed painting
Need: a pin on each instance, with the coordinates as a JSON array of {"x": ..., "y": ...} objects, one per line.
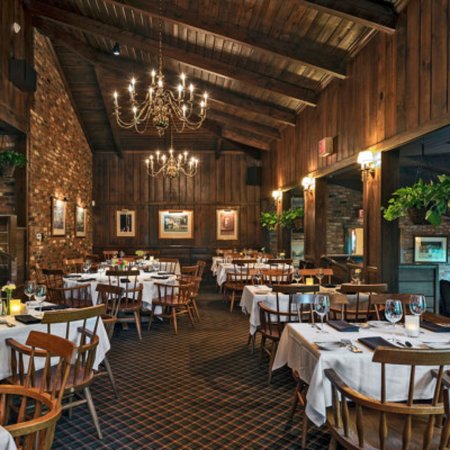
[
  {"x": 227, "y": 224},
  {"x": 125, "y": 223},
  {"x": 176, "y": 224},
  {"x": 430, "y": 249},
  {"x": 58, "y": 217},
  {"x": 80, "y": 221}
]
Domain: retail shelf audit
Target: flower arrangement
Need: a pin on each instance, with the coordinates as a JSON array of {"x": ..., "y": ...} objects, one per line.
[
  {"x": 269, "y": 220},
  {"x": 8, "y": 288}
]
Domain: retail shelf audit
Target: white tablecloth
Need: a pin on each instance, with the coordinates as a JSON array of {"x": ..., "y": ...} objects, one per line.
[
  {"x": 297, "y": 350},
  {"x": 20, "y": 333},
  {"x": 6, "y": 440},
  {"x": 215, "y": 264},
  {"x": 149, "y": 293},
  {"x": 224, "y": 268}
]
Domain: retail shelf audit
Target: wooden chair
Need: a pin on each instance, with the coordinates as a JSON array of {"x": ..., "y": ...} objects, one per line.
[
  {"x": 240, "y": 276},
  {"x": 301, "y": 389},
  {"x": 354, "y": 312},
  {"x": 327, "y": 272},
  {"x": 168, "y": 264},
  {"x": 110, "y": 254},
  {"x": 378, "y": 301},
  {"x": 110, "y": 296},
  {"x": 194, "y": 281},
  {"x": 74, "y": 265},
  {"x": 276, "y": 276},
  {"x": 33, "y": 423},
  {"x": 174, "y": 301},
  {"x": 82, "y": 373},
  {"x": 75, "y": 296},
  {"x": 53, "y": 278},
  {"x": 189, "y": 270},
  {"x": 369, "y": 422},
  {"x": 276, "y": 261},
  {"x": 131, "y": 302},
  {"x": 201, "y": 268},
  {"x": 36, "y": 274}
]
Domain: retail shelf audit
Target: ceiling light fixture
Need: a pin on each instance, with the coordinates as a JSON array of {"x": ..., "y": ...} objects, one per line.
[{"x": 161, "y": 106}]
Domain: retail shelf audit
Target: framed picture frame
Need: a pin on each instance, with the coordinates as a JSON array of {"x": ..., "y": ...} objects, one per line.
[
  {"x": 80, "y": 221},
  {"x": 227, "y": 224},
  {"x": 125, "y": 223},
  {"x": 175, "y": 224},
  {"x": 59, "y": 210},
  {"x": 430, "y": 249}
]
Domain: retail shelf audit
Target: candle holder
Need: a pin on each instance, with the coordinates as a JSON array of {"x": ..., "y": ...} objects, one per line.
[{"x": 412, "y": 325}]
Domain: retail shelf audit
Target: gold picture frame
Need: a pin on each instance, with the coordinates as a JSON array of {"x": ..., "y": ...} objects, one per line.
[
  {"x": 125, "y": 223},
  {"x": 80, "y": 221},
  {"x": 59, "y": 210},
  {"x": 227, "y": 224},
  {"x": 175, "y": 224}
]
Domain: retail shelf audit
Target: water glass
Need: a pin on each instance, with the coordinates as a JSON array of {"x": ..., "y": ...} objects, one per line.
[
  {"x": 297, "y": 276},
  {"x": 319, "y": 275},
  {"x": 393, "y": 311},
  {"x": 322, "y": 307},
  {"x": 86, "y": 266},
  {"x": 30, "y": 287},
  {"x": 40, "y": 294},
  {"x": 417, "y": 304}
]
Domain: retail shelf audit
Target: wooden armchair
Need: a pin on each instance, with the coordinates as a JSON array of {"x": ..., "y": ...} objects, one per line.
[
  {"x": 189, "y": 270},
  {"x": 327, "y": 272},
  {"x": 168, "y": 264},
  {"x": 240, "y": 276},
  {"x": 78, "y": 296},
  {"x": 201, "y": 268},
  {"x": 74, "y": 265},
  {"x": 53, "y": 277},
  {"x": 373, "y": 423},
  {"x": 110, "y": 254},
  {"x": 276, "y": 276}
]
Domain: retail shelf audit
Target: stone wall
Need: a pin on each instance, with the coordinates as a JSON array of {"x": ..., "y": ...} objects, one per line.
[
  {"x": 342, "y": 213},
  {"x": 60, "y": 164}
]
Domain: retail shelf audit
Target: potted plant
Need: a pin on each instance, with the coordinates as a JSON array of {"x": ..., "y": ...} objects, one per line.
[
  {"x": 269, "y": 220},
  {"x": 292, "y": 218},
  {"x": 9, "y": 160},
  {"x": 422, "y": 202}
]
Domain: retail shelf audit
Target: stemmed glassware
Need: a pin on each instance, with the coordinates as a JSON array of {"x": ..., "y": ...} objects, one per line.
[
  {"x": 319, "y": 275},
  {"x": 297, "y": 277},
  {"x": 30, "y": 287},
  {"x": 417, "y": 305},
  {"x": 322, "y": 307},
  {"x": 393, "y": 311},
  {"x": 257, "y": 278},
  {"x": 40, "y": 294},
  {"x": 356, "y": 274},
  {"x": 87, "y": 265}
]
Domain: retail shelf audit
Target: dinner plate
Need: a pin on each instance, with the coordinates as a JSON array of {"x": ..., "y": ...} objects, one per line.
[
  {"x": 330, "y": 345},
  {"x": 437, "y": 345},
  {"x": 262, "y": 291},
  {"x": 379, "y": 323}
]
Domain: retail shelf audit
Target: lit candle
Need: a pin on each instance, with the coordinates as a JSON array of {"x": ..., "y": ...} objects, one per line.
[
  {"x": 160, "y": 83},
  {"x": 153, "y": 76},
  {"x": 202, "y": 108},
  {"x": 115, "y": 97},
  {"x": 180, "y": 90},
  {"x": 412, "y": 325},
  {"x": 191, "y": 90},
  {"x": 15, "y": 307},
  {"x": 150, "y": 91},
  {"x": 183, "y": 79},
  {"x": 184, "y": 110},
  {"x": 310, "y": 281},
  {"x": 205, "y": 96}
]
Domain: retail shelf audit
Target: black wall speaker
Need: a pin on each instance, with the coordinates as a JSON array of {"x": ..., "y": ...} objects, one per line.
[
  {"x": 253, "y": 177},
  {"x": 22, "y": 75}
]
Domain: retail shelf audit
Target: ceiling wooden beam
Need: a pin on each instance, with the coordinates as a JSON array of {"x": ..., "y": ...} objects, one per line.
[
  {"x": 219, "y": 96},
  {"x": 140, "y": 42},
  {"x": 308, "y": 53},
  {"x": 245, "y": 138},
  {"x": 245, "y": 125},
  {"x": 107, "y": 103},
  {"x": 377, "y": 15}
]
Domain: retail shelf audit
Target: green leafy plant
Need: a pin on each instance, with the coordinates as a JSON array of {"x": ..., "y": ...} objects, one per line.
[
  {"x": 269, "y": 220},
  {"x": 433, "y": 198},
  {"x": 12, "y": 158},
  {"x": 289, "y": 216}
]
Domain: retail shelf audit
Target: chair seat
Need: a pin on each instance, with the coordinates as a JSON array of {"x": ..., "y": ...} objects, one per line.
[
  {"x": 169, "y": 301},
  {"x": 271, "y": 334},
  {"x": 234, "y": 285},
  {"x": 395, "y": 430}
]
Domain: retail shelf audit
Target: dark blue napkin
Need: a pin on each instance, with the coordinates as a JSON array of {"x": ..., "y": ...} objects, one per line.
[
  {"x": 54, "y": 307},
  {"x": 430, "y": 326},
  {"x": 376, "y": 341},
  {"x": 85, "y": 280},
  {"x": 27, "y": 319},
  {"x": 342, "y": 325}
]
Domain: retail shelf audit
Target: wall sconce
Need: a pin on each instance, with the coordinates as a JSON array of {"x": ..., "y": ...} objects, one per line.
[
  {"x": 369, "y": 161},
  {"x": 277, "y": 195},
  {"x": 309, "y": 184}
]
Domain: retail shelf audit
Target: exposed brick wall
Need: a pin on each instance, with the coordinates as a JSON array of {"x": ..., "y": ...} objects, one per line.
[
  {"x": 60, "y": 164},
  {"x": 407, "y": 233},
  {"x": 342, "y": 213}
]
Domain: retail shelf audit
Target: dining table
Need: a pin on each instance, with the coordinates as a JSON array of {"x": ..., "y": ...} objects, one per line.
[
  {"x": 12, "y": 328},
  {"x": 6, "y": 440},
  {"x": 308, "y": 350}
]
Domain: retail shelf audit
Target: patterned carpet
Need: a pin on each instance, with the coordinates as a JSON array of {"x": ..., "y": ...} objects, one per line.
[{"x": 200, "y": 389}]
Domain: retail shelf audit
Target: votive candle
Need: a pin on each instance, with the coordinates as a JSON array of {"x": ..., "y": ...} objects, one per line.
[
  {"x": 412, "y": 325},
  {"x": 15, "y": 307}
]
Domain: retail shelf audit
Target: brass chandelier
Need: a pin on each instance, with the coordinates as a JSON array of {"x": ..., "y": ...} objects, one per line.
[
  {"x": 171, "y": 166},
  {"x": 162, "y": 107}
]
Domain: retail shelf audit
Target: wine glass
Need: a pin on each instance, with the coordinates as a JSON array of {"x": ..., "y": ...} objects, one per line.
[
  {"x": 86, "y": 265},
  {"x": 321, "y": 307},
  {"x": 355, "y": 274},
  {"x": 417, "y": 305},
  {"x": 257, "y": 278},
  {"x": 319, "y": 275},
  {"x": 393, "y": 311},
  {"x": 297, "y": 276},
  {"x": 30, "y": 287},
  {"x": 39, "y": 294}
]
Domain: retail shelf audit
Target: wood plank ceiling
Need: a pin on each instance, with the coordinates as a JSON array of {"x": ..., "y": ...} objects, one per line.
[{"x": 261, "y": 62}]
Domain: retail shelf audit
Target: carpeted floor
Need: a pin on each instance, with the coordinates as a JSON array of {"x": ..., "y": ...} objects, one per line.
[{"x": 200, "y": 389}]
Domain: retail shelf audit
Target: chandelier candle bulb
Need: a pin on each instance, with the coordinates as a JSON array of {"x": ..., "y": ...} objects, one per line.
[{"x": 183, "y": 79}]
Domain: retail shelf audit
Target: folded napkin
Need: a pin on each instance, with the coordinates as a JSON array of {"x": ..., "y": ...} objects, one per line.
[
  {"x": 54, "y": 307},
  {"x": 73, "y": 276},
  {"x": 376, "y": 341},
  {"x": 84, "y": 280},
  {"x": 342, "y": 325},
  {"x": 160, "y": 277},
  {"x": 125, "y": 280},
  {"x": 430, "y": 326},
  {"x": 329, "y": 285},
  {"x": 27, "y": 319}
]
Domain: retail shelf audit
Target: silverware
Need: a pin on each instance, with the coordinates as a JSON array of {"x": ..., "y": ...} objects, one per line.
[
  {"x": 8, "y": 324},
  {"x": 352, "y": 347}
]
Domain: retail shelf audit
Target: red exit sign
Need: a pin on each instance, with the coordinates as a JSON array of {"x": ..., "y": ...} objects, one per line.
[{"x": 326, "y": 146}]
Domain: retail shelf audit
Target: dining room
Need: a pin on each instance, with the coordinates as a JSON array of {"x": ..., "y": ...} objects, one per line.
[{"x": 224, "y": 224}]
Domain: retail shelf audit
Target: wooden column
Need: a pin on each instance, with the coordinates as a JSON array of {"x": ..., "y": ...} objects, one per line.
[
  {"x": 381, "y": 238},
  {"x": 315, "y": 221}
]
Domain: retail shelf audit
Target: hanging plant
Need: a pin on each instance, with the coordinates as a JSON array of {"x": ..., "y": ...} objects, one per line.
[
  {"x": 9, "y": 160},
  {"x": 292, "y": 218},
  {"x": 269, "y": 220},
  {"x": 422, "y": 202}
]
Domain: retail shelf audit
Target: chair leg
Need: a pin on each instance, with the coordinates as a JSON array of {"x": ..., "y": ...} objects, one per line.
[
  {"x": 137, "y": 318},
  {"x": 333, "y": 444},
  {"x": 91, "y": 406},
  {"x": 304, "y": 429},
  {"x": 111, "y": 376},
  {"x": 294, "y": 405},
  {"x": 233, "y": 295},
  {"x": 194, "y": 304},
  {"x": 174, "y": 321},
  {"x": 273, "y": 351},
  {"x": 150, "y": 319},
  {"x": 261, "y": 348},
  {"x": 191, "y": 316}
]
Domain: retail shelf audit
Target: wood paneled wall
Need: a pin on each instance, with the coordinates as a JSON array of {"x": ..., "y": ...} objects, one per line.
[
  {"x": 398, "y": 88},
  {"x": 124, "y": 183},
  {"x": 13, "y": 102}
]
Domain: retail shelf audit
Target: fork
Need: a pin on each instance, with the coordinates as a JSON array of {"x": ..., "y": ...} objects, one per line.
[
  {"x": 8, "y": 324},
  {"x": 353, "y": 348}
]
